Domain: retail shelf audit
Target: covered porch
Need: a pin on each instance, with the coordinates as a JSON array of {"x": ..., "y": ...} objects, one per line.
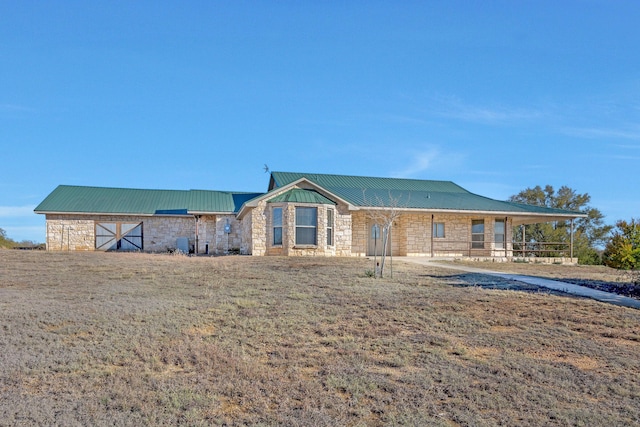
[{"x": 482, "y": 236}]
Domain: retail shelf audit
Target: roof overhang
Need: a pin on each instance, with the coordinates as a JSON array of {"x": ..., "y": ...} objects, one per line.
[
  {"x": 165, "y": 214},
  {"x": 518, "y": 218}
]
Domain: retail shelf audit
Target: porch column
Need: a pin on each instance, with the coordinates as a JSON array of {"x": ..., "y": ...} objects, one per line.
[
  {"x": 504, "y": 237},
  {"x": 431, "y": 234},
  {"x": 571, "y": 245}
]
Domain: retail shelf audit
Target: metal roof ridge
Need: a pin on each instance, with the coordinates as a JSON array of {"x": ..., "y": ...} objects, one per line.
[{"x": 309, "y": 175}]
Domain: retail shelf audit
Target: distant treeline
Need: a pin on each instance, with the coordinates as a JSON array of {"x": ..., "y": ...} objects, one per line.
[{"x": 7, "y": 243}]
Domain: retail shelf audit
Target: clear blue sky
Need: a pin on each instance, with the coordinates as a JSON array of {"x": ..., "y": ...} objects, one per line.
[{"x": 496, "y": 96}]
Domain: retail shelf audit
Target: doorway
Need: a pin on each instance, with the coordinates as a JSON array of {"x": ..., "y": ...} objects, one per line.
[
  {"x": 116, "y": 236},
  {"x": 374, "y": 244}
]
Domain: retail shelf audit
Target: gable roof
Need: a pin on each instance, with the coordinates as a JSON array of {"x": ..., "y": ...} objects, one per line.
[
  {"x": 299, "y": 195},
  {"x": 373, "y": 192},
  {"x": 104, "y": 200}
]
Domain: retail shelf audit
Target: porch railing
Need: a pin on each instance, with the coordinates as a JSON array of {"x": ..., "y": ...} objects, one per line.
[
  {"x": 541, "y": 249},
  {"x": 497, "y": 249}
]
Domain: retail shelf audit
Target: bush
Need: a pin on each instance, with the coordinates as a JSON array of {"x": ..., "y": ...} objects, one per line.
[{"x": 623, "y": 250}]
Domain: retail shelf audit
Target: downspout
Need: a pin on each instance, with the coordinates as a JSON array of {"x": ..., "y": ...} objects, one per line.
[{"x": 196, "y": 218}]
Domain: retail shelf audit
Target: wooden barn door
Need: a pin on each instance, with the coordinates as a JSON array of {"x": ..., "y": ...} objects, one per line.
[{"x": 117, "y": 236}]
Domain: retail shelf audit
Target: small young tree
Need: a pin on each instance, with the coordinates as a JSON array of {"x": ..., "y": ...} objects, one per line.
[{"x": 384, "y": 214}]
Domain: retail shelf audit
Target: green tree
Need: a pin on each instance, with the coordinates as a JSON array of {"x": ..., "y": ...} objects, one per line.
[
  {"x": 623, "y": 250},
  {"x": 590, "y": 233}
]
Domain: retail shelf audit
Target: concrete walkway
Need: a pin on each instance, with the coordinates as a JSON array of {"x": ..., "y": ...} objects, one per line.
[{"x": 556, "y": 285}]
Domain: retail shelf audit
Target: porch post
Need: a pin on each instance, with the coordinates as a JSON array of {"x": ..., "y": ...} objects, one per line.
[
  {"x": 571, "y": 250},
  {"x": 523, "y": 239},
  {"x": 431, "y": 235},
  {"x": 504, "y": 237}
]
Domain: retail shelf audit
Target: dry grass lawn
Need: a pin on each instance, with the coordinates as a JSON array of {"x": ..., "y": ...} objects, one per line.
[{"x": 138, "y": 339}]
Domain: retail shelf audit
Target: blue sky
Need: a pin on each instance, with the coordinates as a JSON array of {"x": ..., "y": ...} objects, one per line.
[{"x": 496, "y": 96}]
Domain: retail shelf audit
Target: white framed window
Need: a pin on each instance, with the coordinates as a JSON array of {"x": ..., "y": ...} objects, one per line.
[
  {"x": 438, "y": 230},
  {"x": 306, "y": 226},
  {"x": 499, "y": 234},
  {"x": 277, "y": 226},
  {"x": 477, "y": 234},
  {"x": 330, "y": 227}
]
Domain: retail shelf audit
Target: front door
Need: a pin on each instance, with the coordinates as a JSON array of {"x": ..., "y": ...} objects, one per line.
[{"x": 374, "y": 246}]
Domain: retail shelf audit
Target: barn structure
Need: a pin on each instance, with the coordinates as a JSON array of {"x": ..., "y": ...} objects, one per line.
[{"x": 300, "y": 214}]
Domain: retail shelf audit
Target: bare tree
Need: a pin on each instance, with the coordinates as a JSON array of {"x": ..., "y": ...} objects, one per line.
[{"x": 385, "y": 215}]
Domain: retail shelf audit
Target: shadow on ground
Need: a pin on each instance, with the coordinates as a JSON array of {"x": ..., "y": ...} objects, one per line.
[{"x": 468, "y": 280}]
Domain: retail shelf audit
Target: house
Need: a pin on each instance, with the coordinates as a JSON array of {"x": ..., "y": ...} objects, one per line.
[{"x": 300, "y": 214}]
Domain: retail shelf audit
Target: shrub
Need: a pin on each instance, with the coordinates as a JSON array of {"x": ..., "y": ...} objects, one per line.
[{"x": 623, "y": 250}]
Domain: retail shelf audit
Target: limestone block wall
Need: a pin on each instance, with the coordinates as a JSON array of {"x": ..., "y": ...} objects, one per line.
[
  {"x": 359, "y": 233},
  {"x": 70, "y": 234},
  {"x": 246, "y": 239},
  {"x": 259, "y": 229},
  {"x": 160, "y": 233},
  {"x": 342, "y": 231},
  {"x": 415, "y": 234},
  {"x": 411, "y": 235},
  {"x": 457, "y": 234},
  {"x": 222, "y": 241}
]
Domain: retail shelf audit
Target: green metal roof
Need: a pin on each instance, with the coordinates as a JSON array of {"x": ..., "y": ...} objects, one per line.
[
  {"x": 299, "y": 195},
  {"x": 408, "y": 194},
  {"x": 366, "y": 192},
  {"x": 80, "y": 199}
]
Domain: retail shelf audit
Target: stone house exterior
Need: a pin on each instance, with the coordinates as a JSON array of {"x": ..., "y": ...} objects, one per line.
[{"x": 300, "y": 215}]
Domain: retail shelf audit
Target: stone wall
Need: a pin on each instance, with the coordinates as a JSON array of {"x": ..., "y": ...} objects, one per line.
[
  {"x": 411, "y": 235},
  {"x": 246, "y": 241},
  {"x": 64, "y": 234},
  {"x": 226, "y": 242},
  {"x": 160, "y": 233}
]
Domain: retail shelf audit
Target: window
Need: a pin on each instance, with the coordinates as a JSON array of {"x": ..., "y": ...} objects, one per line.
[
  {"x": 499, "y": 234},
  {"x": 277, "y": 226},
  {"x": 477, "y": 234},
  {"x": 306, "y": 224},
  {"x": 438, "y": 229},
  {"x": 329, "y": 227}
]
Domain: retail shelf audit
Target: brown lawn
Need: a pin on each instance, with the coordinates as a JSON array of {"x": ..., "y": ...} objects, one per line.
[{"x": 138, "y": 339}]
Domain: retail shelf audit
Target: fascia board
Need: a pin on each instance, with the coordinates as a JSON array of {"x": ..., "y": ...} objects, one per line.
[
  {"x": 478, "y": 212},
  {"x": 209, "y": 213},
  {"x": 110, "y": 214}
]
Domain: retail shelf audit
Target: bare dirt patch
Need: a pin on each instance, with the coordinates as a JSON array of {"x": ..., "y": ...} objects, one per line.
[{"x": 138, "y": 339}]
